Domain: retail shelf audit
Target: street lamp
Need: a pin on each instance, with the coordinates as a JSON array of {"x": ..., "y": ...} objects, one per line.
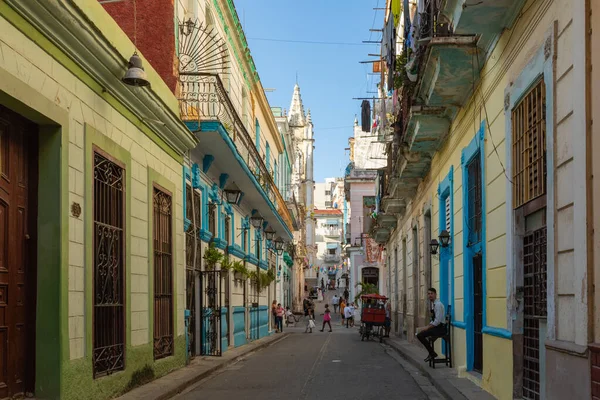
[
  {"x": 433, "y": 245},
  {"x": 232, "y": 195},
  {"x": 269, "y": 233},
  {"x": 279, "y": 246},
  {"x": 256, "y": 221},
  {"x": 444, "y": 238}
]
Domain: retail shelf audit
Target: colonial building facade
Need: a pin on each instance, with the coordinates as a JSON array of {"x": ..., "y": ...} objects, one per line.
[
  {"x": 487, "y": 185},
  {"x": 91, "y": 191}
]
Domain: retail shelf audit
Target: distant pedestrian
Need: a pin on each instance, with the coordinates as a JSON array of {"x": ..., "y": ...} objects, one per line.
[
  {"x": 336, "y": 302},
  {"x": 326, "y": 318},
  {"x": 346, "y": 293},
  {"x": 274, "y": 314},
  {"x": 310, "y": 321},
  {"x": 290, "y": 318},
  {"x": 319, "y": 295},
  {"x": 388, "y": 318},
  {"x": 342, "y": 307},
  {"x": 349, "y": 315},
  {"x": 305, "y": 306},
  {"x": 279, "y": 318}
]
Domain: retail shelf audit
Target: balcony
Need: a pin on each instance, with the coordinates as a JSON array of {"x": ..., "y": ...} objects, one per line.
[
  {"x": 331, "y": 232},
  {"x": 386, "y": 220},
  {"x": 381, "y": 234},
  {"x": 330, "y": 257},
  {"x": 487, "y": 18},
  {"x": 208, "y": 111}
]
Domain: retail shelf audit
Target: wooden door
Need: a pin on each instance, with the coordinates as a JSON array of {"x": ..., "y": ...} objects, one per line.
[{"x": 18, "y": 187}]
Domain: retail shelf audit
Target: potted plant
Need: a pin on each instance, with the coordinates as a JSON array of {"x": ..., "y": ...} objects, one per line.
[
  {"x": 239, "y": 269},
  {"x": 226, "y": 264},
  {"x": 212, "y": 256},
  {"x": 365, "y": 288}
]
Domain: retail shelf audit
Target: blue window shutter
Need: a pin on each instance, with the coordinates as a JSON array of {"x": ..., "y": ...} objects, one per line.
[{"x": 257, "y": 135}]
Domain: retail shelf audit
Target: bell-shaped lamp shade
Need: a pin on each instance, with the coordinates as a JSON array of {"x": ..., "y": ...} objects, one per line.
[
  {"x": 433, "y": 246},
  {"x": 444, "y": 238},
  {"x": 279, "y": 244},
  {"x": 232, "y": 195},
  {"x": 135, "y": 75},
  {"x": 269, "y": 233},
  {"x": 256, "y": 221}
]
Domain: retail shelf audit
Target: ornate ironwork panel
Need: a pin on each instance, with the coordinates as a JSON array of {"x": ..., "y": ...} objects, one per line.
[
  {"x": 211, "y": 312},
  {"x": 534, "y": 263},
  {"x": 108, "y": 284},
  {"x": 163, "y": 275},
  {"x": 529, "y": 146}
]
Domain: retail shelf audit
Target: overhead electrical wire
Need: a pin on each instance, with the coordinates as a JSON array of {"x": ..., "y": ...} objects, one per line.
[{"x": 309, "y": 42}]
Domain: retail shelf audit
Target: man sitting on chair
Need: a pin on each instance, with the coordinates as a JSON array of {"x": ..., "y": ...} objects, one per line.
[{"x": 437, "y": 327}]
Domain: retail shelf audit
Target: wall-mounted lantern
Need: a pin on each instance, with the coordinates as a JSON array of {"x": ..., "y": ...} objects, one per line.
[
  {"x": 433, "y": 247},
  {"x": 444, "y": 238}
]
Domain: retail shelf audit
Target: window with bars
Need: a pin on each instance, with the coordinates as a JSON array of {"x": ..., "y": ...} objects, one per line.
[
  {"x": 211, "y": 219},
  {"x": 529, "y": 146},
  {"x": 227, "y": 229},
  {"x": 474, "y": 199},
  {"x": 108, "y": 266},
  {"x": 163, "y": 275}
]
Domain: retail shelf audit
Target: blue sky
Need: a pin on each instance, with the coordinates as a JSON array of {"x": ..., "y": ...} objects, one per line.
[{"x": 329, "y": 75}]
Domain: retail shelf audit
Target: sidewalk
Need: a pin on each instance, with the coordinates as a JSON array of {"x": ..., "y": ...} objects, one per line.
[
  {"x": 445, "y": 379},
  {"x": 201, "y": 367}
]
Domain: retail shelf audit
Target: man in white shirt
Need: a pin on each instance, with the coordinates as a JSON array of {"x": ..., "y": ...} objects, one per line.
[
  {"x": 335, "y": 300},
  {"x": 349, "y": 314},
  {"x": 437, "y": 326}
]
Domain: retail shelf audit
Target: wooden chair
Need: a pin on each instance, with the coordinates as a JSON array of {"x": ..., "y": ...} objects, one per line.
[{"x": 447, "y": 360}]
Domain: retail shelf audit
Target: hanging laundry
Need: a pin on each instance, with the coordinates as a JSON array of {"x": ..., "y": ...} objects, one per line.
[{"x": 366, "y": 116}]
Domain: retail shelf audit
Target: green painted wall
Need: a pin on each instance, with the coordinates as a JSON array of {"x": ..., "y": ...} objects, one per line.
[
  {"x": 32, "y": 33},
  {"x": 52, "y": 237}
]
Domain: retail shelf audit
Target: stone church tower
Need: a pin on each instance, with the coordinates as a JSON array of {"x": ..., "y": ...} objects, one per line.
[{"x": 303, "y": 182}]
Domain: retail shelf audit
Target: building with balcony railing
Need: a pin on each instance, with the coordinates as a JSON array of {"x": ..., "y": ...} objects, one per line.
[{"x": 476, "y": 156}]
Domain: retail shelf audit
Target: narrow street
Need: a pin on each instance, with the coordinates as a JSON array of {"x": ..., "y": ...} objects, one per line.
[{"x": 324, "y": 365}]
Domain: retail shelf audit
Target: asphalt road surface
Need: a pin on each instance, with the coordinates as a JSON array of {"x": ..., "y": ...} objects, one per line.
[{"x": 318, "y": 365}]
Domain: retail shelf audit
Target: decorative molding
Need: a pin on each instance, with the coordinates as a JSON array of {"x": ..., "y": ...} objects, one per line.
[
  {"x": 196, "y": 181},
  {"x": 548, "y": 47},
  {"x": 223, "y": 180},
  {"x": 207, "y": 162},
  {"x": 73, "y": 32}
]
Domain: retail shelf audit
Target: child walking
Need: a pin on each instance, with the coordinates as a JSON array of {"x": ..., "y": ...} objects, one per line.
[
  {"x": 326, "y": 318},
  {"x": 310, "y": 322}
]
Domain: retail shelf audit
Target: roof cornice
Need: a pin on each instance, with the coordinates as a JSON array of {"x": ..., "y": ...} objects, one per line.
[{"x": 76, "y": 27}]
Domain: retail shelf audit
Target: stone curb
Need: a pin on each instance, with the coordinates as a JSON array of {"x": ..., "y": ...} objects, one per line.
[
  {"x": 186, "y": 383},
  {"x": 445, "y": 388}
]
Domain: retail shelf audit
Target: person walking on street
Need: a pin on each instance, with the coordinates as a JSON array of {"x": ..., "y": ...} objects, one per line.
[
  {"x": 326, "y": 318},
  {"x": 342, "y": 306},
  {"x": 310, "y": 321},
  {"x": 336, "y": 302},
  {"x": 280, "y": 313},
  {"x": 436, "y": 328},
  {"x": 348, "y": 314},
  {"x": 274, "y": 314},
  {"x": 388, "y": 318},
  {"x": 346, "y": 293}
]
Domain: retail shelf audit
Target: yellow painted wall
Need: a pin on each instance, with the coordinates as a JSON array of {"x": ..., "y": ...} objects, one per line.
[{"x": 506, "y": 62}]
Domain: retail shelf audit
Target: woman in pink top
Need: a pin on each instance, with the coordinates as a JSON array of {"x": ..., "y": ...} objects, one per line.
[
  {"x": 279, "y": 317},
  {"x": 326, "y": 318}
]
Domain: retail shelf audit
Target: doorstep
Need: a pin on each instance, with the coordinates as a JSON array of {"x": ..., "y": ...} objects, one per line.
[
  {"x": 199, "y": 368},
  {"x": 445, "y": 379}
]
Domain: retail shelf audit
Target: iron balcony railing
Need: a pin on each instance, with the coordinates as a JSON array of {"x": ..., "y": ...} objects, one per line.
[
  {"x": 430, "y": 24},
  {"x": 333, "y": 232},
  {"x": 204, "y": 98},
  {"x": 331, "y": 257}
]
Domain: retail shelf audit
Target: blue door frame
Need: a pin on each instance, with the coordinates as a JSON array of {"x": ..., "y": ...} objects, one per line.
[
  {"x": 476, "y": 147},
  {"x": 446, "y": 190}
]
